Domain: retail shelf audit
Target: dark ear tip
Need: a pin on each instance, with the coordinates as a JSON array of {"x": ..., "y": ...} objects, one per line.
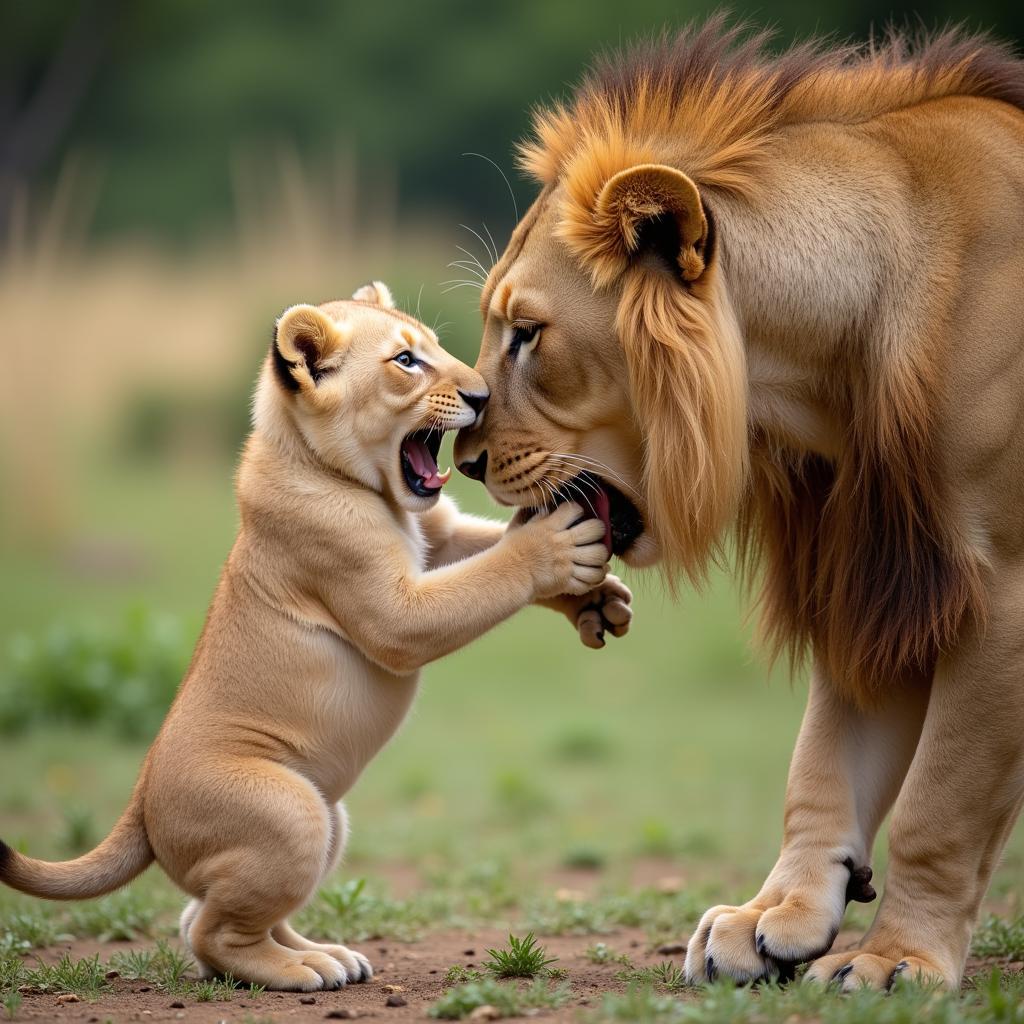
[{"x": 283, "y": 367}]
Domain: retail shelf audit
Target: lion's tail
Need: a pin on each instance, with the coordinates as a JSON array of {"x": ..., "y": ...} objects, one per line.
[{"x": 117, "y": 860}]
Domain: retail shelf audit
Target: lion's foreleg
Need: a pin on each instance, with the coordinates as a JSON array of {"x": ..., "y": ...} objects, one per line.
[
  {"x": 960, "y": 799},
  {"x": 845, "y": 773}
]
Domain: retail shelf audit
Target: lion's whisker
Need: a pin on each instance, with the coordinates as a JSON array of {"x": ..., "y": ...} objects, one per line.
[
  {"x": 494, "y": 245},
  {"x": 470, "y": 268},
  {"x": 452, "y": 285},
  {"x": 605, "y": 470},
  {"x": 515, "y": 205},
  {"x": 476, "y": 261},
  {"x": 478, "y": 236}
]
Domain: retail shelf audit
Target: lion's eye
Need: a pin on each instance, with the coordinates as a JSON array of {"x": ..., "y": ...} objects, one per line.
[
  {"x": 405, "y": 358},
  {"x": 522, "y": 335}
]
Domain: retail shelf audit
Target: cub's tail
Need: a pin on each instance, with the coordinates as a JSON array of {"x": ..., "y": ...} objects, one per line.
[{"x": 117, "y": 860}]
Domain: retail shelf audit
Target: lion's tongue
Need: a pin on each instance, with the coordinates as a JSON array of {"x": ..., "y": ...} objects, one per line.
[
  {"x": 603, "y": 509},
  {"x": 423, "y": 462}
]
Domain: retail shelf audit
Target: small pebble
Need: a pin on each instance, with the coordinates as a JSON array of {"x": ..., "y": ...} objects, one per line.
[
  {"x": 307, "y": 1001},
  {"x": 395, "y": 1001},
  {"x": 469, "y": 952},
  {"x": 70, "y": 997},
  {"x": 112, "y": 974},
  {"x": 393, "y": 988},
  {"x": 341, "y": 1014},
  {"x": 486, "y": 1012},
  {"x": 145, "y": 988}
]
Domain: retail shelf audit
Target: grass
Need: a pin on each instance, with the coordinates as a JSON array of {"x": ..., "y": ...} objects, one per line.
[
  {"x": 508, "y": 1000},
  {"x": 1000, "y": 937},
  {"x": 602, "y": 953},
  {"x": 666, "y": 976},
  {"x": 996, "y": 1000},
  {"x": 522, "y": 958},
  {"x": 162, "y": 967}
]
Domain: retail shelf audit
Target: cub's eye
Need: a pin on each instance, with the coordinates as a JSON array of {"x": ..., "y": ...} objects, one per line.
[
  {"x": 405, "y": 358},
  {"x": 522, "y": 335}
]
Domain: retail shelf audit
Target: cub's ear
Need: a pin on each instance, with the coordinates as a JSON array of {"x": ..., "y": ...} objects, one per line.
[
  {"x": 376, "y": 292},
  {"x": 655, "y": 209},
  {"x": 304, "y": 338}
]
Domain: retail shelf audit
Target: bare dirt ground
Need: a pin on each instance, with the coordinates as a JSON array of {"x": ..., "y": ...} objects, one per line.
[
  {"x": 417, "y": 969},
  {"x": 410, "y": 975}
]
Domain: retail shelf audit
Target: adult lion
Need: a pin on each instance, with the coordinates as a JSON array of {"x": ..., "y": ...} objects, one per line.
[{"x": 787, "y": 293}]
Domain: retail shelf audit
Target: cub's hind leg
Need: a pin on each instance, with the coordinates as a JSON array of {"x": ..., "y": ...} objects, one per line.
[
  {"x": 261, "y": 864},
  {"x": 357, "y": 966},
  {"x": 188, "y": 915}
]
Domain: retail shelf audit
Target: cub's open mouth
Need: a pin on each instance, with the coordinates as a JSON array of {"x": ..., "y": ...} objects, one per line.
[
  {"x": 418, "y": 454},
  {"x": 600, "y": 500}
]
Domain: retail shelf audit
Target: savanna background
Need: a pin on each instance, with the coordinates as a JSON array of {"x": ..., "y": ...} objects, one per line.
[{"x": 172, "y": 174}]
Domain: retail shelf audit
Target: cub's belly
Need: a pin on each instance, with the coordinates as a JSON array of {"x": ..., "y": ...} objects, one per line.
[{"x": 352, "y": 707}]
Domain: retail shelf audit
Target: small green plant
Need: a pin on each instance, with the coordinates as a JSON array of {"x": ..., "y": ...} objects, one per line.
[
  {"x": 85, "y": 977},
  {"x": 601, "y": 953},
  {"x": 12, "y": 1004},
  {"x": 120, "y": 917},
  {"x": 214, "y": 989},
  {"x": 584, "y": 858},
  {"x": 641, "y": 1003},
  {"x": 164, "y": 967},
  {"x": 509, "y": 1000},
  {"x": 134, "y": 965},
  {"x": 343, "y": 899},
  {"x": 523, "y": 958},
  {"x": 999, "y": 937},
  {"x": 459, "y": 974},
  {"x": 666, "y": 974}
]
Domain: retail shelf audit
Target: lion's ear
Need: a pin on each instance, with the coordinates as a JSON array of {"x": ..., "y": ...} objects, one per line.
[
  {"x": 305, "y": 337},
  {"x": 376, "y": 292},
  {"x": 657, "y": 209}
]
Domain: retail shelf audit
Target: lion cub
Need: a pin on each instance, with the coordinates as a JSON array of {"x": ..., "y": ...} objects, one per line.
[{"x": 349, "y": 573}]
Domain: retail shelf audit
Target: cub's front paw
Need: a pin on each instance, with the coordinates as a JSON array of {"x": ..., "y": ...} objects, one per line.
[
  {"x": 565, "y": 556},
  {"x": 767, "y": 938}
]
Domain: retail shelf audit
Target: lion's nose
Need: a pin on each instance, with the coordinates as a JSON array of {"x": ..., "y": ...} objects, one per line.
[
  {"x": 475, "y": 469},
  {"x": 474, "y": 400}
]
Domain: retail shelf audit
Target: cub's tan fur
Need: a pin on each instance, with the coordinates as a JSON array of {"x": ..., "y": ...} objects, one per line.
[
  {"x": 342, "y": 583},
  {"x": 785, "y": 292}
]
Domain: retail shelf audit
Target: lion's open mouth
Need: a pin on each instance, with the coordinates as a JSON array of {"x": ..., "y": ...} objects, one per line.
[
  {"x": 418, "y": 455},
  {"x": 600, "y": 500}
]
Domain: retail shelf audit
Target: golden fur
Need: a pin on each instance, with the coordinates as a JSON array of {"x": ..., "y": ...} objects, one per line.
[
  {"x": 342, "y": 583},
  {"x": 783, "y": 291}
]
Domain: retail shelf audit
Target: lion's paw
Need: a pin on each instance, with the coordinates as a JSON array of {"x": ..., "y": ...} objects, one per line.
[
  {"x": 860, "y": 968},
  {"x": 765, "y": 939}
]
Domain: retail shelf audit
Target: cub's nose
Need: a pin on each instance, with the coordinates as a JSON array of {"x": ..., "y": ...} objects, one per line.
[
  {"x": 474, "y": 400},
  {"x": 475, "y": 469}
]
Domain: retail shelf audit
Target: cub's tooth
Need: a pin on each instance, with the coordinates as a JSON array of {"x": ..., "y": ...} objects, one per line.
[{"x": 445, "y": 476}]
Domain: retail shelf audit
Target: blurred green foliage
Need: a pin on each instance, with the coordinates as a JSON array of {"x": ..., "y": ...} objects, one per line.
[
  {"x": 170, "y": 97},
  {"x": 123, "y": 674}
]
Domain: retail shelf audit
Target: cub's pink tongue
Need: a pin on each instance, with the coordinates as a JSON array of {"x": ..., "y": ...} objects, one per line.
[
  {"x": 423, "y": 463},
  {"x": 602, "y": 506}
]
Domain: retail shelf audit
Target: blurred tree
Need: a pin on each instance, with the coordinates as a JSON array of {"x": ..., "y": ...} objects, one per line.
[{"x": 168, "y": 94}]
